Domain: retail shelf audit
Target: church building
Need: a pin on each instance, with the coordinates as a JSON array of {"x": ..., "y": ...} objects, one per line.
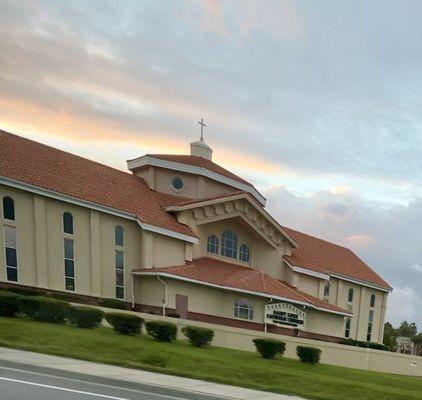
[{"x": 176, "y": 235}]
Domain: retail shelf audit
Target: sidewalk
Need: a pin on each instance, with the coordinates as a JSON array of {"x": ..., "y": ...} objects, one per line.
[{"x": 137, "y": 376}]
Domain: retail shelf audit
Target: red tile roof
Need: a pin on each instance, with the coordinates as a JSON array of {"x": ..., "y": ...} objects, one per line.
[
  {"x": 220, "y": 273},
  {"x": 36, "y": 164},
  {"x": 199, "y": 162},
  {"x": 321, "y": 256}
]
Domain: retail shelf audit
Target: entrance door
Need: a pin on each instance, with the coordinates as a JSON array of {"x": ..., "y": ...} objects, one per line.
[{"x": 182, "y": 305}]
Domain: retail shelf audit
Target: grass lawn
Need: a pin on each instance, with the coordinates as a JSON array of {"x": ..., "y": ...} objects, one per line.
[{"x": 216, "y": 364}]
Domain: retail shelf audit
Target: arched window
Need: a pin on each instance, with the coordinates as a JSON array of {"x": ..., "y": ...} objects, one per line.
[
  {"x": 350, "y": 296},
  {"x": 8, "y": 208},
  {"x": 68, "y": 223},
  {"x": 347, "y": 328},
  {"x": 243, "y": 309},
  {"x": 212, "y": 244},
  {"x": 119, "y": 236},
  {"x": 372, "y": 302},
  {"x": 244, "y": 253},
  {"x": 229, "y": 244}
]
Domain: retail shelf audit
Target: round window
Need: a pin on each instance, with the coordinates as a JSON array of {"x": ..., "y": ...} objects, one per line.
[{"x": 177, "y": 183}]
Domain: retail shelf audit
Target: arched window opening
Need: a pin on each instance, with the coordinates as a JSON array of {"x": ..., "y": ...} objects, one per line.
[
  {"x": 372, "y": 302},
  {"x": 350, "y": 296},
  {"x": 244, "y": 253},
  {"x": 347, "y": 328},
  {"x": 119, "y": 236},
  {"x": 68, "y": 223},
  {"x": 212, "y": 244},
  {"x": 229, "y": 244},
  {"x": 243, "y": 309},
  {"x": 8, "y": 208}
]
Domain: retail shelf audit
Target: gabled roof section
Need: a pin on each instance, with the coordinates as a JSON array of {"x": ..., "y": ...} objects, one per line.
[
  {"x": 196, "y": 165},
  {"x": 235, "y": 197},
  {"x": 216, "y": 273},
  {"x": 328, "y": 258},
  {"x": 32, "y": 166}
]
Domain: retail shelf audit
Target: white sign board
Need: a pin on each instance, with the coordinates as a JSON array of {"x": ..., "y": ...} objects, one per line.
[{"x": 284, "y": 314}]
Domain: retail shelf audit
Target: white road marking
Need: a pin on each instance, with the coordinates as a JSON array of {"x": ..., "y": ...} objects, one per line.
[
  {"x": 62, "y": 389},
  {"x": 87, "y": 382}
]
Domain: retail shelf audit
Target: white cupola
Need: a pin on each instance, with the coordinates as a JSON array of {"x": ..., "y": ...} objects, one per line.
[{"x": 201, "y": 149}]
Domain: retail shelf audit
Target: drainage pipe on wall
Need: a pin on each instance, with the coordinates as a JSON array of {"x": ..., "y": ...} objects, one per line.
[{"x": 165, "y": 295}]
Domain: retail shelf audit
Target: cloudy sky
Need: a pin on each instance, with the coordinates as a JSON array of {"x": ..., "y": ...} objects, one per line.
[{"x": 319, "y": 104}]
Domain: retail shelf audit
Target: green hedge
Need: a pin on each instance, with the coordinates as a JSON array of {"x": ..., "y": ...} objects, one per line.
[
  {"x": 198, "y": 337},
  {"x": 9, "y": 304},
  {"x": 161, "y": 330},
  {"x": 308, "y": 354},
  {"x": 270, "y": 348},
  {"x": 44, "y": 309},
  {"x": 126, "y": 324},
  {"x": 85, "y": 317},
  {"x": 368, "y": 345},
  {"x": 113, "y": 303}
]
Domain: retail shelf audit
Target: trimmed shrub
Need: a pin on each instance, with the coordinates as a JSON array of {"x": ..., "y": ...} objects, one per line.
[
  {"x": 71, "y": 298},
  {"x": 361, "y": 343},
  {"x": 85, "y": 317},
  {"x": 24, "y": 291},
  {"x": 44, "y": 309},
  {"x": 270, "y": 348},
  {"x": 113, "y": 303},
  {"x": 308, "y": 354},
  {"x": 9, "y": 304},
  {"x": 161, "y": 330},
  {"x": 198, "y": 337},
  {"x": 126, "y": 324}
]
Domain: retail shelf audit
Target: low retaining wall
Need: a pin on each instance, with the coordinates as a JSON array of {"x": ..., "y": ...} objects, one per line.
[{"x": 332, "y": 353}]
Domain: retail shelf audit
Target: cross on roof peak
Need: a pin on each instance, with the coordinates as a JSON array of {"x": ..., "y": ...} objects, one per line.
[{"x": 202, "y": 128}]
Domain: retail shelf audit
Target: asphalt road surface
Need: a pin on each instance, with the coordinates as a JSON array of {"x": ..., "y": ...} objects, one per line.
[{"x": 24, "y": 382}]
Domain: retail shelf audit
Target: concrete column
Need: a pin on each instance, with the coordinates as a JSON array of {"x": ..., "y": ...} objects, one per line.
[
  {"x": 339, "y": 294},
  {"x": 201, "y": 187},
  {"x": 382, "y": 318},
  {"x": 95, "y": 250},
  {"x": 40, "y": 234},
  {"x": 147, "y": 254},
  {"x": 360, "y": 322}
]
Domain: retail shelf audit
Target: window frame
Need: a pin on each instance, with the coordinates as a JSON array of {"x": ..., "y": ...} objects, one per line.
[
  {"x": 347, "y": 327},
  {"x": 69, "y": 278},
  {"x": 244, "y": 253},
  {"x": 225, "y": 250},
  {"x": 72, "y": 223},
  {"x": 370, "y": 325},
  {"x": 4, "y": 206},
  {"x": 14, "y": 247},
  {"x": 117, "y": 271},
  {"x": 243, "y": 305},
  {"x": 119, "y": 229},
  {"x": 372, "y": 301},
  {"x": 350, "y": 295},
  {"x": 211, "y": 244}
]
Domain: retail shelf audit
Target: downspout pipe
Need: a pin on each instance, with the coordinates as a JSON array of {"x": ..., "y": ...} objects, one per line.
[
  {"x": 165, "y": 294},
  {"x": 133, "y": 290}
]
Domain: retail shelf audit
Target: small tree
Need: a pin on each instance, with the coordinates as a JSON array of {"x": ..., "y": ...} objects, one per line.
[
  {"x": 417, "y": 341},
  {"x": 161, "y": 330},
  {"x": 198, "y": 337},
  {"x": 126, "y": 324},
  {"x": 308, "y": 355},
  {"x": 85, "y": 317},
  {"x": 270, "y": 348}
]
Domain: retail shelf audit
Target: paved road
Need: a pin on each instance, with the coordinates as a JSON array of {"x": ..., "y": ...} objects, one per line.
[{"x": 24, "y": 382}]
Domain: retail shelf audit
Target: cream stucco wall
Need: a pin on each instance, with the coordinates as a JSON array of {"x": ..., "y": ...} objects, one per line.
[
  {"x": 150, "y": 291},
  {"x": 195, "y": 186},
  {"x": 40, "y": 246}
]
